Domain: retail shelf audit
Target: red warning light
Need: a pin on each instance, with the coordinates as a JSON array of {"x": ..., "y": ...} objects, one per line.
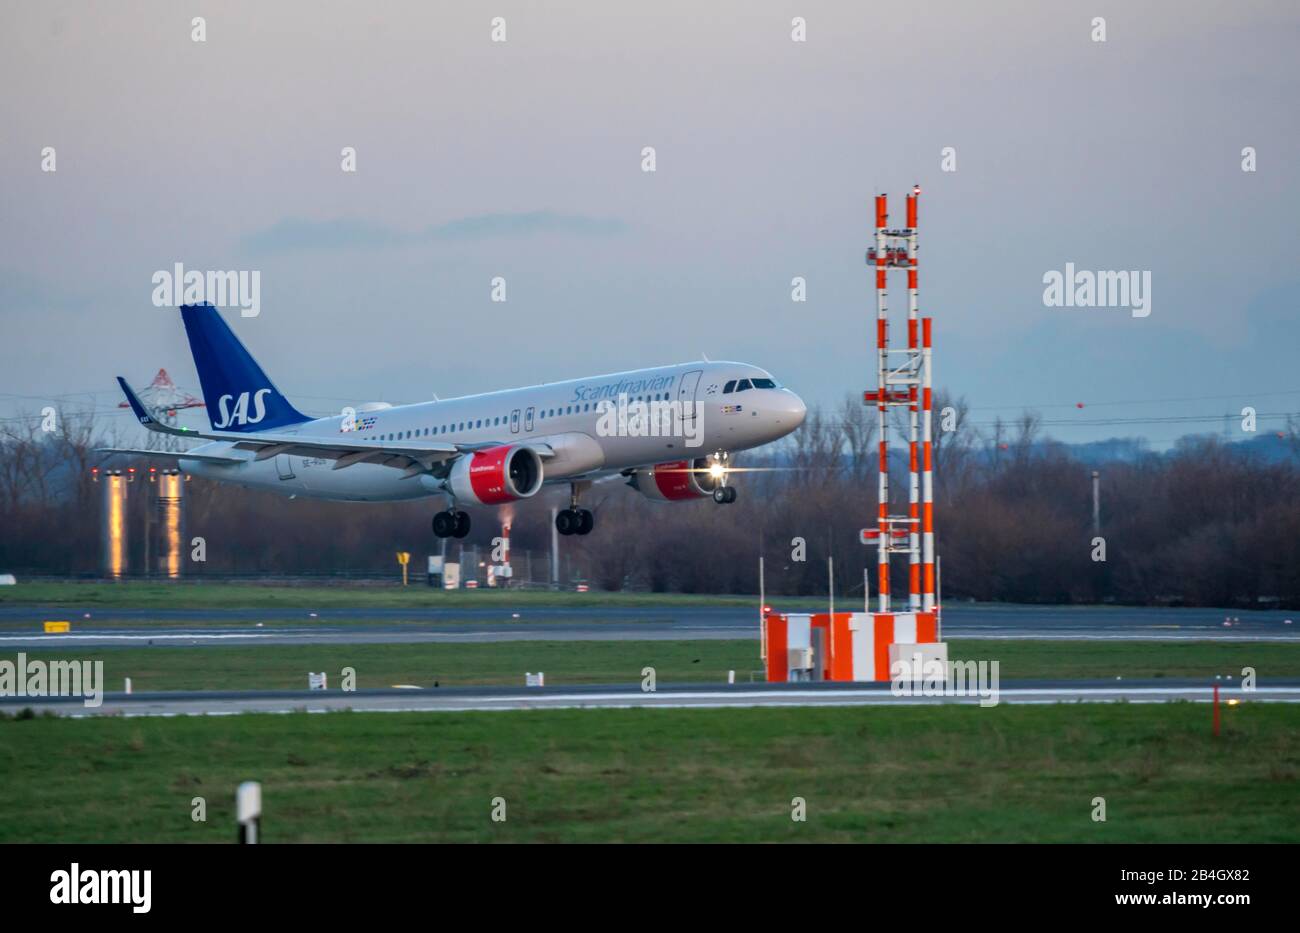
[{"x": 1078, "y": 404}]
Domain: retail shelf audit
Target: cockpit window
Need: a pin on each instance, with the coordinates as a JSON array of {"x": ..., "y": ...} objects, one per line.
[
  {"x": 729, "y": 387},
  {"x": 742, "y": 385},
  {"x": 765, "y": 384}
]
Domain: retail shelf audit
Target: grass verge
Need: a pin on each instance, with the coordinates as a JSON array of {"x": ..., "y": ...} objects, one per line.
[
  {"x": 913, "y": 774},
  {"x": 285, "y": 667},
  {"x": 140, "y": 595}
]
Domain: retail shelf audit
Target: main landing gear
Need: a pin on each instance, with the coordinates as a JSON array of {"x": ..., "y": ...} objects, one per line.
[
  {"x": 573, "y": 520},
  {"x": 451, "y": 524},
  {"x": 724, "y": 495}
]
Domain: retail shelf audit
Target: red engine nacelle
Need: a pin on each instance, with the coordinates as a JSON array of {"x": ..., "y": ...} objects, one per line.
[
  {"x": 675, "y": 480},
  {"x": 496, "y": 475}
]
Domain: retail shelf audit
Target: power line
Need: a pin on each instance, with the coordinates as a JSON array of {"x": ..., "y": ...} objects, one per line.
[{"x": 1141, "y": 401}]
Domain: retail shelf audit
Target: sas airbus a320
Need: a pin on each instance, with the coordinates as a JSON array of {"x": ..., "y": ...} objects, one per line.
[{"x": 669, "y": 430}]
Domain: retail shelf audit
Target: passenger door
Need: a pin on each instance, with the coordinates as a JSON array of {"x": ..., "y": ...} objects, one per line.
[{"x": 686, "y": 394}]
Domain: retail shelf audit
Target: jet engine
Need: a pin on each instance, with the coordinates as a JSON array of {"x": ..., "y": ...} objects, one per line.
[
  {"x": 675, "y": 480},
  {"x": 496, "y": 475}
]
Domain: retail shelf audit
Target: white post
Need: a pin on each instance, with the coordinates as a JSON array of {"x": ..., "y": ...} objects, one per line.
[
  {"x": 938, "y": 598},
  {"x": 830, "y": 577},
  {"x": 762, "y": 622},
  {"x": 830, "y": 581},
  {"x": 555, "y": 551},
  {"x": 248, "y": 810},
  {"x": 866, "y": 590},
  {"x": 1096, "y": 502},
  {"x": 127, "y": 687}
]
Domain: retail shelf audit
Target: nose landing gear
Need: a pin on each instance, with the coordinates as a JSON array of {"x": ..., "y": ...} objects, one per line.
[{"x": 722, "y": 493}]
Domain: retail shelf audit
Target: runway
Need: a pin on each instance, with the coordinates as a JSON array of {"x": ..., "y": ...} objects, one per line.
[
  {"x": 20, "y": 626},
  {"x": 628, "y": 696}
]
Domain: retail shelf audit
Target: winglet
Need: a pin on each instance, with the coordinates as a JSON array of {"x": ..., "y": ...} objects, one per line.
[
  {"x": 142, "y": 414},
  {"x": 137, "y": 407}
]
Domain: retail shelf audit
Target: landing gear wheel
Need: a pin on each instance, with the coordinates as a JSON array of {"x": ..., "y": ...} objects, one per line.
[
  {"x": 567, "y": 521},
  {"x": 444, "y": 524},
  {"x": 731, "y": 493},
  {"x": 586, "y": 522},
  {"x": 462, "y": 525},
  {"x": 720, "y": 495}
]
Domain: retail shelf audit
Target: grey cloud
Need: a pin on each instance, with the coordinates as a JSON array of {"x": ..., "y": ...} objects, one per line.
[{"x": 295, "y": 234}]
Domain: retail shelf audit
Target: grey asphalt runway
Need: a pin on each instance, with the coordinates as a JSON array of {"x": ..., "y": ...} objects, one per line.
[
  {"x": 20, "y": 626},
  {"x": 619, "y": 696}
]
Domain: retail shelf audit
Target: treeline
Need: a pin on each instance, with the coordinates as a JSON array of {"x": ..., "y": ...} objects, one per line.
[{"x": 1204, "y": 524}]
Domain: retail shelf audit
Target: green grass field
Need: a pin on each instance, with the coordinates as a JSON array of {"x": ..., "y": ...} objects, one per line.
[
  {"x": 914, "y": 774},
  {"x": 302, "y": 619},
  {"x": 279, "y": 667},
  {"x": 139, "y": 595}
]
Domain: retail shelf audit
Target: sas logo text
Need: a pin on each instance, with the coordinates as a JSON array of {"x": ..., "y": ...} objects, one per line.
[{"x": 240, "y": 413}]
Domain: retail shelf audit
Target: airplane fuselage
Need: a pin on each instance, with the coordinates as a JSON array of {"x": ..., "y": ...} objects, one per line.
[{"x": 719, "y": 410}]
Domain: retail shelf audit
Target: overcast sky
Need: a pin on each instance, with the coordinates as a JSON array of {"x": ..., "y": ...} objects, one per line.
[{"x": 523, "y": 159}]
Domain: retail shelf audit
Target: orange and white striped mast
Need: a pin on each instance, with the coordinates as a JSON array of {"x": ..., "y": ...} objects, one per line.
[
  {"x": 914, "y": 473},
  {"x": 882, "y": 404},
  {"x": 928, "y": 598},
  {"x": 907, "y": 384}
]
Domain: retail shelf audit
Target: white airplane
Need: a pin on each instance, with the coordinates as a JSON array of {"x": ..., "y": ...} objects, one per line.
[{"x": 670, "y": 430}]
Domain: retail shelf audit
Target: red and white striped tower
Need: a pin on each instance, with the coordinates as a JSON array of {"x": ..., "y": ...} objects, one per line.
[
  {"x": 907, "y": 383},
  {"x": 927, "y": 476},
  {"x": 882, "y": 256},
  {"x": 914, "y": 473}
]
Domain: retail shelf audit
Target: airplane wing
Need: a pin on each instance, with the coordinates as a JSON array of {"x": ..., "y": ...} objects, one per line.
[
  {"x": 413, "y": 456},
  {"x": 176, "y": 454}
]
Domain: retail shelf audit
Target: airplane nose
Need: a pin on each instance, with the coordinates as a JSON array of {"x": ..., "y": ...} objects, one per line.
[{"x": 791, "y": 410}]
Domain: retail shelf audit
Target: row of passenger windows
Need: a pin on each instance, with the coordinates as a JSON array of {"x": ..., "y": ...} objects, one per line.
[
  {"x": 505, "y": 419},
  {"x": 740, "y": 385}
]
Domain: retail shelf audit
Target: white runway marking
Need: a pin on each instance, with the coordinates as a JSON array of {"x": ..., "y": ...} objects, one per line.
[
  {"x": 693, "y": 699},
  {"x": 113, "y": 636}
]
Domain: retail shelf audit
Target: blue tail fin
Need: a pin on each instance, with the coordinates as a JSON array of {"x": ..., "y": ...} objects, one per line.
[{"x": 238, "y": 394}]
